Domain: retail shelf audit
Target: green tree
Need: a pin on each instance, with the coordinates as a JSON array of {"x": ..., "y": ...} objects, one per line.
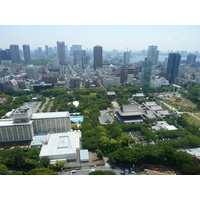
[
  {"x": 99, "y": 172},
  {"x": 42, "y": 171},
  {"x": 33, "y": 153},
  {"x": 3, "y": 170},
  {"x": 45, "y": 161},
  {"x": 58, "y": 165}
]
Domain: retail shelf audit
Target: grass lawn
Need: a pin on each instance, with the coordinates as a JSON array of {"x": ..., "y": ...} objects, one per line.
[
  {"x": 184, "y": 103},
  {"x": 197, "y": 114},
  {"x": 193, "y": 120}
]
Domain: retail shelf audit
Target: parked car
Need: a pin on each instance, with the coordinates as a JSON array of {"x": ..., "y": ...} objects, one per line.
[{"x": 100, "y": 164}]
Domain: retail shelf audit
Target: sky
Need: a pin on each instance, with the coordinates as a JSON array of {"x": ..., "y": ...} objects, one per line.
[{"x": 120, "y": 37}]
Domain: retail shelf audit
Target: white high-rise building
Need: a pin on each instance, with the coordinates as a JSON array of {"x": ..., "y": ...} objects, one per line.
[{"x": 153, "y": 53}]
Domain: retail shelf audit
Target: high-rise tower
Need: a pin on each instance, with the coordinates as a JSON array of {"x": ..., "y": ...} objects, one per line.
[
  {"x": 14, "y": 53},
  {"x": 61, "y": 52},
  {"x": 146, "y": 72},
  {"x": 153, "y": 53},
  {"x": 127, "y": 57},
  {"x": 98, "y": 57},
  {"x": 27, "y": 54},
  {"x": 173, "y": 67}
]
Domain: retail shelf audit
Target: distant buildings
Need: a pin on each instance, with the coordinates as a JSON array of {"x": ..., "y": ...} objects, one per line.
[
  {"x": 146, "y": 72},
  {"x": 153, "y": 54},
  {"x": 15, "y": 54},
  {"x": 27, "y": 54},
  {"x": 191, "y": 58},
  {"x": 32, "y": 72},
  {"x": 98, "y": 57},
  {"x": 127, "y": 58},
  {"x": 173, "y": 67},
  {"x": 74, "y": 82},
  {"x": 61, "y": 52},
  {"x": 79, "y": 58}
]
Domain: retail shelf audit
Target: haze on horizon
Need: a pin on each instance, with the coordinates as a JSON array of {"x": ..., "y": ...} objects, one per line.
[{"x": 120, "y": 37}]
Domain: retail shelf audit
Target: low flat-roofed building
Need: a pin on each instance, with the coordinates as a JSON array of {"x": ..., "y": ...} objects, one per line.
[
  {"x": 164, "y": 125},
  {"x": 193, "y": 151},
  {"x": 105, "y": 119},
  {"x": 150, "y": 103},
  {"x": 84, "y": 155},
  {"x": 11, "y": 131},
  {"x": 61, "y": 146},
  {"x": 130, "y": 114},
  {"x": 150, "y": 114},
  {"x": 163, "y": 113},
  {"x": 156, "y": 108},
  {"x": 139, "y": 96},
  {"x": 111, "y": 93}
]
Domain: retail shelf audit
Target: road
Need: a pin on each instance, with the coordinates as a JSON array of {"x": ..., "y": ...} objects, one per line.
[
  {"x": 47, "y": 100},
  {"x": 87, "y": 171}
]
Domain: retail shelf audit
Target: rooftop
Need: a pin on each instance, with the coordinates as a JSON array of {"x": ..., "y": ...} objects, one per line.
[
  {"x": 61, "y": 144},
  {"x": 50, "y": 115},
  {"x": 10, "y": 122}
]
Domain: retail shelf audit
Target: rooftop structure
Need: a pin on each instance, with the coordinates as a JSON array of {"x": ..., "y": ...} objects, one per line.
[
  {"x": 164, "y": 125},
  {"x": 84, "y": 156},
  {"x": 61, "y": 146},
  {"x": 139, "y": 95},
  {"x": 105, "y": 119},
  {"x": 50, "y": 115},
  {"x": 130, "y": 114},
  {"x": 112, "y": 93},
  {"x": 194, "y": 152},
  {"x": 22, "y": 114}
]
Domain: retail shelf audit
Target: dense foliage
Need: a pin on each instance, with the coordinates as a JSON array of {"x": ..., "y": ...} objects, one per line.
[{"x": 98, "y": 172}]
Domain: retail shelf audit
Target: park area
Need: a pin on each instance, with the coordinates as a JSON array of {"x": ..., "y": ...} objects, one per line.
[{"x": 183, "y": 104}]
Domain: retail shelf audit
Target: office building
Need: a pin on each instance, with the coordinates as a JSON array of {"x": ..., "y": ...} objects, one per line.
[
  {"x": 27, "y": 54},
  {"x": 79, "y": 58},
  {"x": 153, "y": 54},
  {"x": 46, "y": 50},
  {"x": 191, "y": 58},
  {"x": 4, "y": 55},
  {"x": 146, "y": 72},
  {"x": 127, "y": 58},
  {"x": 56, "y": 122},
  {"x": 74, "y": 82},
  {"x": 14, "y": 53},
  {"x": 173, "y": 67},
  {"x": 98, "y": 57},
  {"x": 75, "y": 48},
  {"x": 32, "y": 72},
  {"x": 61, "y": 53}
]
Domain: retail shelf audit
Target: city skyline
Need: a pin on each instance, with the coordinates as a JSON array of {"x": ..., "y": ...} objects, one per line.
[{"x": 120, "y": 37}]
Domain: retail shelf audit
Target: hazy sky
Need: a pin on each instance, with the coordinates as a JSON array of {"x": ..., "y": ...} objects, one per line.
[{"x": 121, "y": 37}]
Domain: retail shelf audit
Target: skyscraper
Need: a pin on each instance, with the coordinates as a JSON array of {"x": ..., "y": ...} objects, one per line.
[
  {"x": 153, "y": 53},
  {"x": 127, "y": 57},
  {"x": 173, "y": 67},
  {"x": 98, "y": 57},
  {"x": 46, "y": 50},
  {"x": 191, "y": 58},
  {"x": 79, "y": 57},
  {"x": 27, "y": 54},
  {"x": 61, "y": 52},
  {"x": 146, "y": 72},
  {"x": 14, "y": 53}
]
